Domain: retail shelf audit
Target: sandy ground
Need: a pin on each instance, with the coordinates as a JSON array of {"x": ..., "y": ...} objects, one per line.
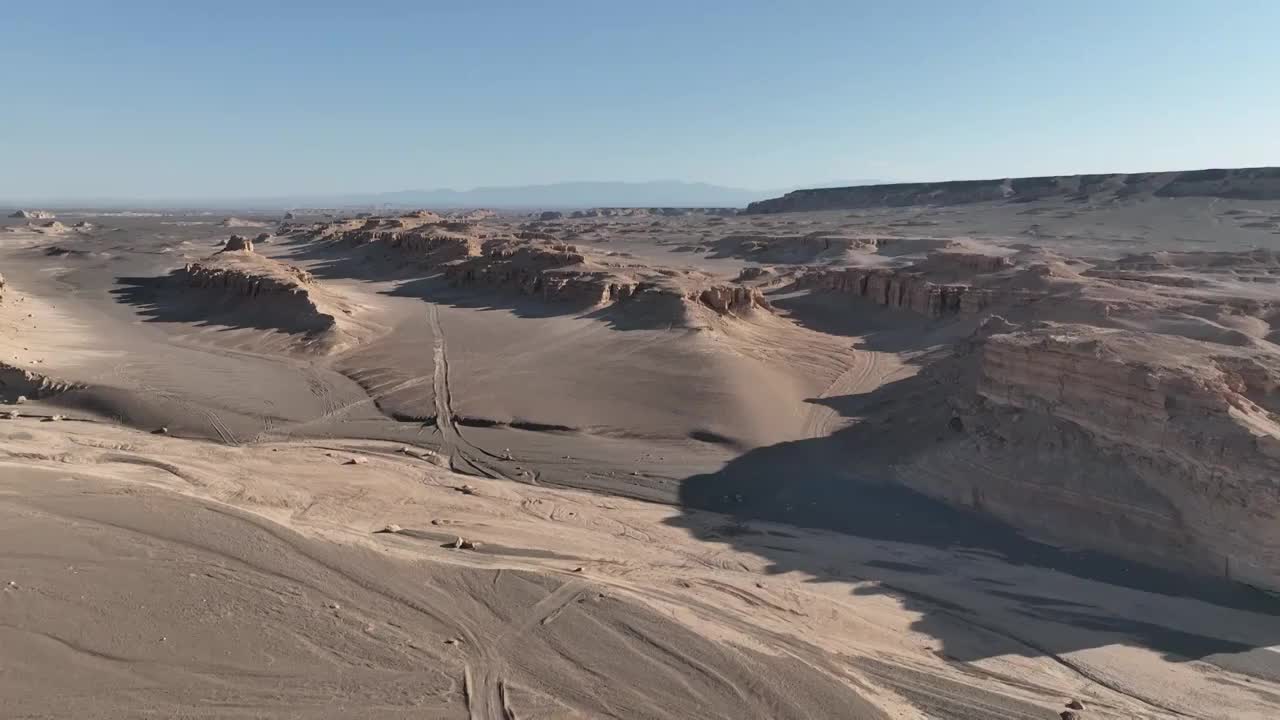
[
  {"x": 151, "y": 574},
  {"x": 234, "y": 567}
]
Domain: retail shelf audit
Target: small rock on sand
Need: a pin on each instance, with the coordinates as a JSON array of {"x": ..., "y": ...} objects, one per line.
[
  {"x": 392, "y": 528},
  {"x": 357, "y": 461},
  {"x": 467, "y": 490},
  {"x": 1075, "y": 704},
  {"x": 11, "y": 415},
  {"x": 20, "y": 400},
  {"x": 1069, "y": 715}
]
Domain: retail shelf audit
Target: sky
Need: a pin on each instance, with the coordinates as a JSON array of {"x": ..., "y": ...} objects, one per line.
[{"x": 225, "y": 98}]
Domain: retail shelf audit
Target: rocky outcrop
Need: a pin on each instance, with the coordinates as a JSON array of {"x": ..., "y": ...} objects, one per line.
[
  {"x": 32, "y": 215},
  {"x": 535, "y": 264},
  {"x": 1158, "y": 448},
  {"x": 730, "y": 299},
  {"x": 552, "y": 271},
  {"x": 238, "y": 243},
  {"x": 17, "y": 382},
  {"x": 906, "y": 289},
  {"x": 1245, "y": 183},
  {"x": 280, "y": 297},
  {"x": 245, "y": 282}
]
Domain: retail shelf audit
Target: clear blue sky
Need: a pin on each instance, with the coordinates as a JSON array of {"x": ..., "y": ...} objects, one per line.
[{"x": 225, "y": 98}]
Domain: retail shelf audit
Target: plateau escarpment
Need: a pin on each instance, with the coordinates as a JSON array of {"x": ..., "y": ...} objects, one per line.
[{"x": 1245, "y": 183}]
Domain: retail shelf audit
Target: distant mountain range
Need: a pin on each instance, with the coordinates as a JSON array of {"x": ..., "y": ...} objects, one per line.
[
  {"x": 565, "y": 195},
  {"x": 660, "y": 193}
]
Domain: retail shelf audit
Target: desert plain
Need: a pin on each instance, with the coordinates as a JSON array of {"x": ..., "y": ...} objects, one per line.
[{"x": 948, "y": 450}]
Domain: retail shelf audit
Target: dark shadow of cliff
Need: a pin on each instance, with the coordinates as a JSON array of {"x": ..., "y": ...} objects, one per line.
[
  {"x": 874, "y": 327},
  {"x": 842, "y": 483}
]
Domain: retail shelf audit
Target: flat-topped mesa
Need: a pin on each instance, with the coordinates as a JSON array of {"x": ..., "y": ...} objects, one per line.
[
  {"x": 1243, "y": 183},
  {"x": 1157, "y": 447}
]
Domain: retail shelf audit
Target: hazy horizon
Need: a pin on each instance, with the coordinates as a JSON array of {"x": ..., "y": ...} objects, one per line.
[{"x": 150, "y": 101}]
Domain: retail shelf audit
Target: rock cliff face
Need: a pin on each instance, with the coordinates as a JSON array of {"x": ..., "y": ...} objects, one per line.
[
  {"x": 1244, "y": 183},
  {"x": 900, "y": 289},
  {"x": 1160, "y": 448},
  {"x": 283, "y": 296},
  {"x": 943, "y": 284},
  {"x": 244, "y": 282}
]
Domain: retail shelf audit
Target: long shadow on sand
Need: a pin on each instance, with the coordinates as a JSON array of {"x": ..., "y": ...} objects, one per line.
[{"x": 836, "y": 483}]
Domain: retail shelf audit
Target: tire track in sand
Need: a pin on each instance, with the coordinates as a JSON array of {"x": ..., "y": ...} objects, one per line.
[
  {"x": 463, "y": 456},
  {"x": 484, "y": 686},
  {"x": 856, "y": 379}
]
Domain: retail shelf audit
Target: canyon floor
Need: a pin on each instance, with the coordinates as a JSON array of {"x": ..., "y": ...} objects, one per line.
[{"x": 639, "y": 463}]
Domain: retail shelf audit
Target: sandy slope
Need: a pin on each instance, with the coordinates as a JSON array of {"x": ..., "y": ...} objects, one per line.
[{"x": 172, "y": 573}]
